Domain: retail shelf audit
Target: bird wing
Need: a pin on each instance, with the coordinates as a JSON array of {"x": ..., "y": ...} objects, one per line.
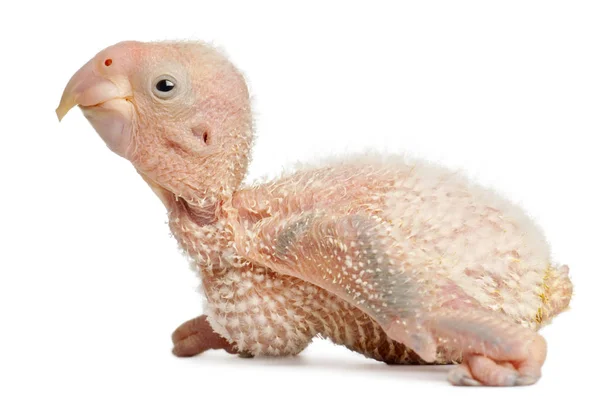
[{"x": 323, "y": 227}]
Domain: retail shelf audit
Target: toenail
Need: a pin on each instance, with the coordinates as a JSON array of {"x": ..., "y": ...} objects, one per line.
[
  {"x": 511, "y": 380},
  {"x": 525, "y": 380},
  {"x": 467, "y": 381}
]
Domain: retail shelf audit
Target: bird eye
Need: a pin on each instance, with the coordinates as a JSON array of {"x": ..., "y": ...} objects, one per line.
[{"x": 164, "y": 87}]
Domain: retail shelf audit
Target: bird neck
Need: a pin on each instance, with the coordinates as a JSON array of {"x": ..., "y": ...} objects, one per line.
[
  {"x": 204, "y": 209},
  {"x": 204, "y": 212}
]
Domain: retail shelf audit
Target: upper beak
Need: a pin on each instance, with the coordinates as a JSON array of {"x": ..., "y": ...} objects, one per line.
[{"x": 87, "y": 88}]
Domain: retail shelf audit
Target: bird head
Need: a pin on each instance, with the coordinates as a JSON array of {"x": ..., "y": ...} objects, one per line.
[{"x": 178, "y": 111}]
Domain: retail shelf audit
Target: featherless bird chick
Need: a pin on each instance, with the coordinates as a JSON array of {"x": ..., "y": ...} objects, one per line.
[{"x": 403, "y": 263}]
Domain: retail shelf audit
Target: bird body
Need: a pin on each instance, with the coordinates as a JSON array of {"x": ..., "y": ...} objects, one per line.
[
  {"x": 402, "y": 262},
  {"x": 459, "y": 231}
]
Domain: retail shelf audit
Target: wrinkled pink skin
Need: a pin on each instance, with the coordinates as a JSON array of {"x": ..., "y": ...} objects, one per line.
[{"x": 401, "y": 264}]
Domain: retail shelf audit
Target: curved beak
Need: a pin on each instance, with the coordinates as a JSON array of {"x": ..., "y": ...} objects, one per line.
[
  {"x": 87, "y": 88},
  {"x": 104, "y": 97}
]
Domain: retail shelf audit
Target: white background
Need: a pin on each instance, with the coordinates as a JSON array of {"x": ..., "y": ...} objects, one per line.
[{"x": 91, "y": 283}]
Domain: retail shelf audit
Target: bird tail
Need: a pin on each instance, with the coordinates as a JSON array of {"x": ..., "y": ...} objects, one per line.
[{"x": 557, "y": 293}]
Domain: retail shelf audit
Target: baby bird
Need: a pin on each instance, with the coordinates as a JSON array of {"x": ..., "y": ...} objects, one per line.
[{"x": 403, "y": 263}]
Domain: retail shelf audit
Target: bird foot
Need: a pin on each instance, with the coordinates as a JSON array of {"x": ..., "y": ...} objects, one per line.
[
  {"x": 477, "y": 370},
  {"x": 196, "y": 336}
]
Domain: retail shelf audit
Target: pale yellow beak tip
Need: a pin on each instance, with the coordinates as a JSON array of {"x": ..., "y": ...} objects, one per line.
[
  {"x": 60, "y": 114},
  {"x": 63, "y": 109}
]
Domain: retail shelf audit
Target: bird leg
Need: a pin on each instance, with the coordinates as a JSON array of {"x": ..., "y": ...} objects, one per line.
[{"x": 196, "y": 336}]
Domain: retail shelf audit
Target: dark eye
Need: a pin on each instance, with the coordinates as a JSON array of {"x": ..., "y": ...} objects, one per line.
[{"x": 165, "y": 87}]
